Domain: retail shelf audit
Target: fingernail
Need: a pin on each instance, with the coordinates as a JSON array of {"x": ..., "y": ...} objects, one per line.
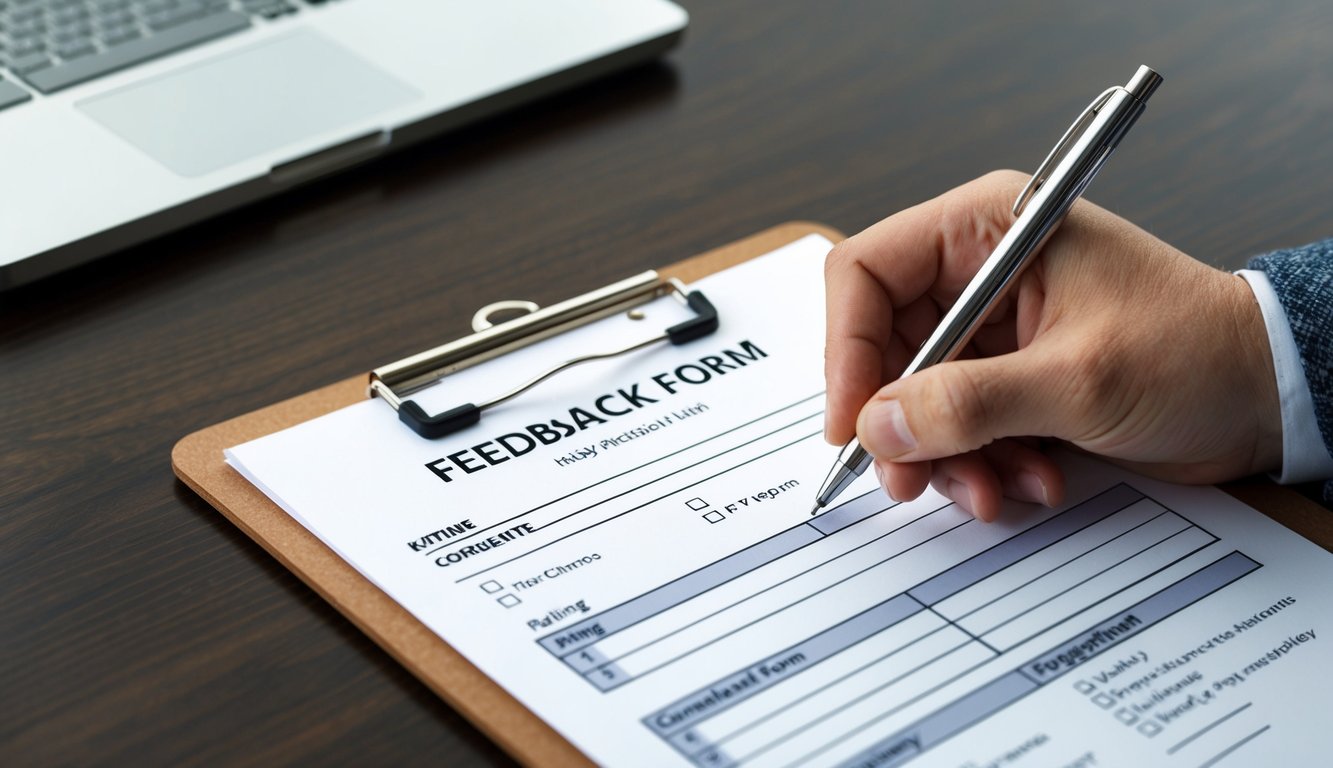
[
  {"x": 961, "y": 496},
  {"x": 889, "y": 432},
  {"x": 1032, "y": 488},
  {"x": 879, "y": 475},
  {"x": 827, "y": 426}
]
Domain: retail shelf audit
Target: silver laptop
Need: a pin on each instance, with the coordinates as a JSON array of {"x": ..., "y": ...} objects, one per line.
[{"x": 122, "y": 119}]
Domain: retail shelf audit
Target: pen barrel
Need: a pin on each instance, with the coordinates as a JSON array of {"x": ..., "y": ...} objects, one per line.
[{"x": 1038, "y": 221}]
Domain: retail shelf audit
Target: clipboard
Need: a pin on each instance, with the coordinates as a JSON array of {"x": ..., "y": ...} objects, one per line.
[{"x": 198, "y": 461}]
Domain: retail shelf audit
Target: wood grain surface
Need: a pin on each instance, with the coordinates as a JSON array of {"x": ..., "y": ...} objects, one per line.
[{"x": 139, "y": 626}]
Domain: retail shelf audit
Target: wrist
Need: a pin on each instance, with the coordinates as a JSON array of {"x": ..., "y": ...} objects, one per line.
[{"x": 1258, "y": 373}]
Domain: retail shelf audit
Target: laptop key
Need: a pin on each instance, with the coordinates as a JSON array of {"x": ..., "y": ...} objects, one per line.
[
  {"x": 74, "y": 49},
  {"x": 173, "y": 16},
  {"x": 11, "y": 94},
  {"x": 30, "y": 28},
  {"x": 115, "y": 18},
  {"x": 32, "y": 62},
  {"x": 71, "y": 34},
  {"x": 69, "y": 15},
  {"x": 27, "y": 47},
  {"x": 137, "y": 51},
  {"x": 119, "y": 35}
]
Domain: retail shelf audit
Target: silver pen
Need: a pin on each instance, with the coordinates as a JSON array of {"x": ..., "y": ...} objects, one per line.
[{"x": 1040, "y": 207}]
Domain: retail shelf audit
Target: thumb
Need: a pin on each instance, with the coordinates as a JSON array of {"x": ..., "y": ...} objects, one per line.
[{"x": 957, "y": 407}]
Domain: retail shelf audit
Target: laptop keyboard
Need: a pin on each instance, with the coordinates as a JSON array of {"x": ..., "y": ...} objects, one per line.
[{"x": 54, "y": 44}]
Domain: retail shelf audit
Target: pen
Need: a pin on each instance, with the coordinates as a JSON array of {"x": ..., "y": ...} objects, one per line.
[{"x": 1040, "y": 207}]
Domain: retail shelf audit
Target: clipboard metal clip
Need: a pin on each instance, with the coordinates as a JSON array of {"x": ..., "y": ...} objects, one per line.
[{"x": 394, "y": 382}]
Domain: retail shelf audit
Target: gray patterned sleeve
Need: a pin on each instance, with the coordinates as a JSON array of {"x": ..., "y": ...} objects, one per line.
[{"x": 1303, "y": 280}]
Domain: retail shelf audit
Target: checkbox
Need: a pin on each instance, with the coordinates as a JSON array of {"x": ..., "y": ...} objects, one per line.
[
  {"x": 508, "y": 601},
  {"x": 1104, "y": 700},
  {"x": 1083, "y": 686},
  {"x": 696, "y": 504},
  {"x": 1126, "y": 717},
  {"x": 1149, "y": 728},
  {"x": 491, "y": 587},
  {"x": 715, "y": 517}
]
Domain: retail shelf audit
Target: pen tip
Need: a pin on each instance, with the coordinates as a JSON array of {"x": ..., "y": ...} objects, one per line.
[{"x": 816, "y": 509}]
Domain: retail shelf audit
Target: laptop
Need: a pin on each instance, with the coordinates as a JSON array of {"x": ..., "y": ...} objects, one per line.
[{"x": 123, "y": 119}]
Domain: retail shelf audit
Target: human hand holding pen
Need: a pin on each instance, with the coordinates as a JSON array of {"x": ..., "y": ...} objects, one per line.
[{"x": 1112, "y": 341}]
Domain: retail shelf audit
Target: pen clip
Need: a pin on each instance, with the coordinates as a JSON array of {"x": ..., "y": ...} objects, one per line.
[{"x": 1075, "y": 130}]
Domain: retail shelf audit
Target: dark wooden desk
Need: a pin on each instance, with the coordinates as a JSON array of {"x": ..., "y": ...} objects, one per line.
[{"x": 137, "y": 626}]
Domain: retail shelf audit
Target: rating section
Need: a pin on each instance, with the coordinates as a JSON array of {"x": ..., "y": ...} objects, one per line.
[{"x": 833, "y": 654}]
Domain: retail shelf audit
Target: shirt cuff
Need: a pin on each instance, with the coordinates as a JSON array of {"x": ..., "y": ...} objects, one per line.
[{"x": 1304, "y": 455}]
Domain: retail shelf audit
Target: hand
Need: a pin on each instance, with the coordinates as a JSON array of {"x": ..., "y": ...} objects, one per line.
[{"x": 1111, "y": 340}]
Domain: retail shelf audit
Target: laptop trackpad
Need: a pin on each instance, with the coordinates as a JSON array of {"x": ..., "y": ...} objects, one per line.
[{"x": 219, "y": 112}]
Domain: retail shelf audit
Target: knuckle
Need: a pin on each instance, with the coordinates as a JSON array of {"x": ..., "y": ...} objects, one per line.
[
  {"x": 838, "y": 256},
  {"x": 1096, "y": 379},
  {"x": 1008, "y": 175},
  {"x": 986, "y": 205},
  {"x": 1005, "y": 178},
  {"x": 834, "y": 375}
]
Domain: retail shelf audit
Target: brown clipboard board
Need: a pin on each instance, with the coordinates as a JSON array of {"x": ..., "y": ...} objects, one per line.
[{"x": 198, "y": 461}]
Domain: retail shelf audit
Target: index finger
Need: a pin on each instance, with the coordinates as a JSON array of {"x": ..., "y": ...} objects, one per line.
[{"x": 931, "y": 249}]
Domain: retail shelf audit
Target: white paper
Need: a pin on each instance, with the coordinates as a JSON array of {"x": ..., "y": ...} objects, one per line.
[{"x": 653, "y": 586}]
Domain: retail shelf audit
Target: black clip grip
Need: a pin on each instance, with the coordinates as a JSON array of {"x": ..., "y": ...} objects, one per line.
[
  {"x": 703, "y": 324},
  {"x": 441, "y": 424}
]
